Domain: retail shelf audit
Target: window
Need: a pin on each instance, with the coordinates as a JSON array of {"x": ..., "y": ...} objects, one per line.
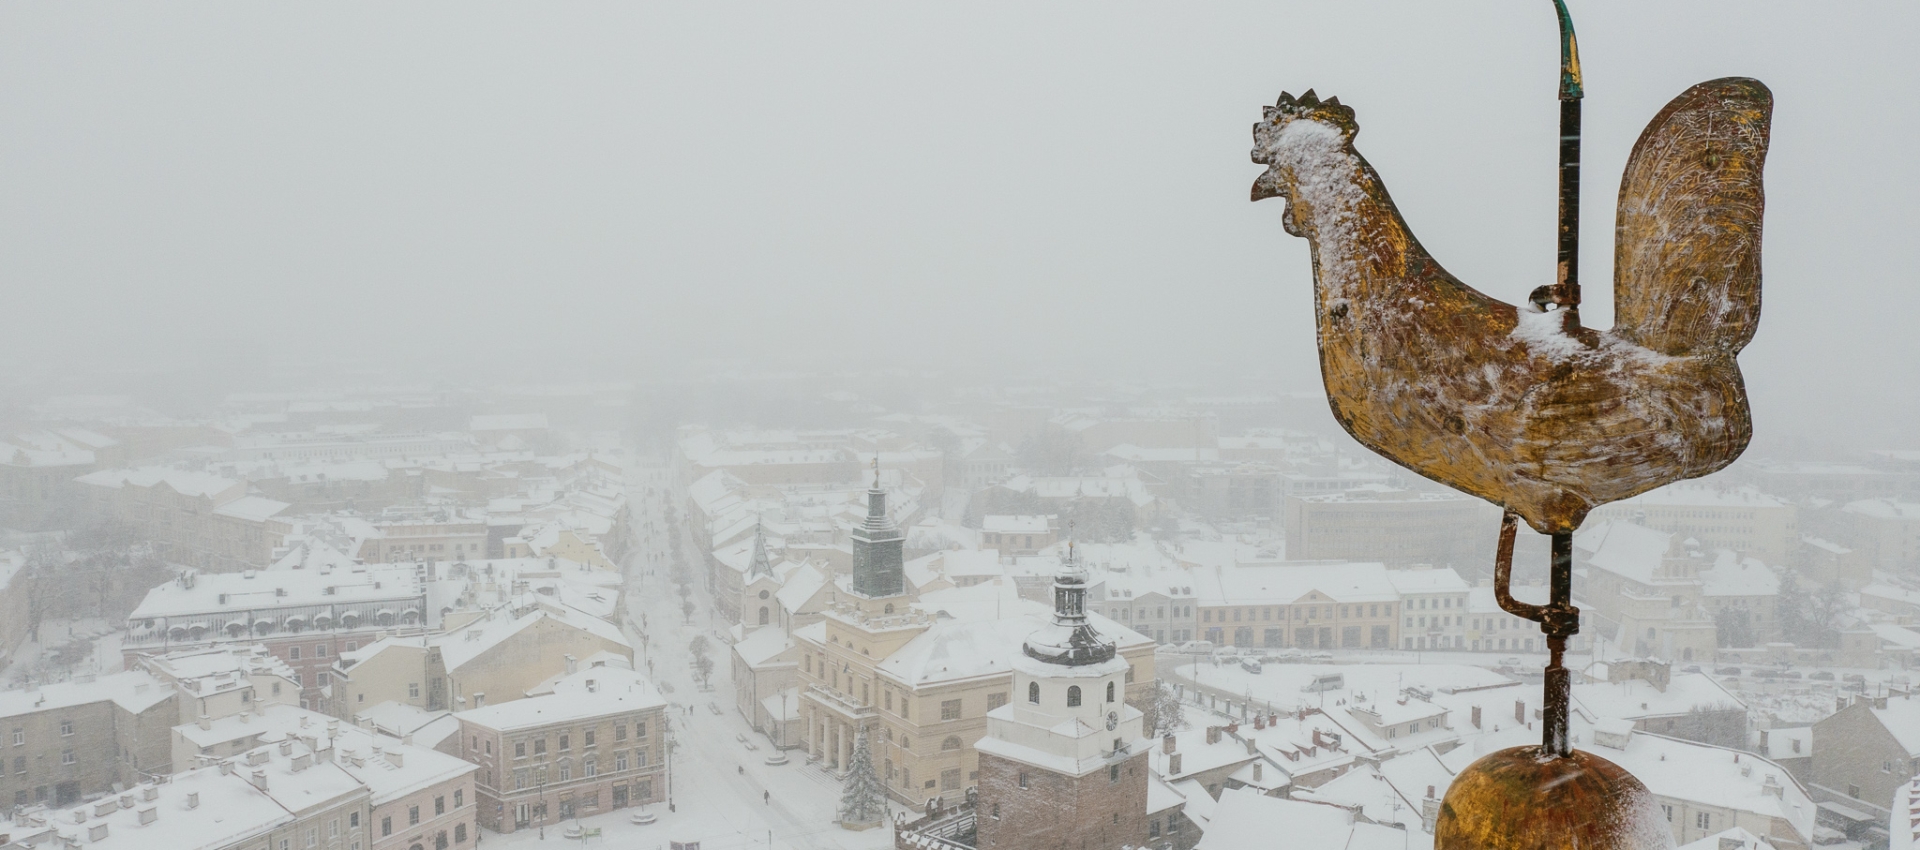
[
  {"x": 586, "y": 738},
  {"x": 950, "y": 709},
  {"x": 1023, "y": 779},
  {"x": 1113, "y": 773},
  {"x": 620, "y": 760},
  {"x": 322, "y": 678},
  {"x": 1109, "y": 692},
  {"x": 1073, "y": 695},
  {"x": 413, "y": 815},
  {"x": 1702, "y": 820},
  {"x": 459, "y": 797},
  {"x": 293, "y": 653},
  {"x": 440, "y": 805},
  {"x": 591, "y": 767},
  {"x": 459, "y": 832},
  {"x": 539, "y": 746},
  {"x": 386, "y": 826},
  {"x": 20, "y": 765},
  {"x": 19, "y": 736},
  {"x": 620, "y": 729},
  {"x": 951, "y": 743},
  {"x": 996, "y": 699},
  {"x": 566, "y": 771},
  {"x": 320, "y": 651},
  {"x": 413, "y": 690},
  {"x": 1033, "y": 692},
  {"x": 333, "y": 828},
  {"x": 519, "y": 749},
  {"x": 66, "y": 756},
  {"x": 640, "y": 730},
  {"x": 66, "y": 728},
  {"x": 313, "y": 836},
  {"x": 353, "y": 819}
]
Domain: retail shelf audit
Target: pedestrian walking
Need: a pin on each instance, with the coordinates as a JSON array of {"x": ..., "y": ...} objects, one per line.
[{"x": 766, "y": 797}]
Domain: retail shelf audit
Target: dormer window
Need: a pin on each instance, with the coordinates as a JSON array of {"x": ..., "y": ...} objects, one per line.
[
  {"x": 1073, "y": 696},
  {"x": 1033, "y": 692}
]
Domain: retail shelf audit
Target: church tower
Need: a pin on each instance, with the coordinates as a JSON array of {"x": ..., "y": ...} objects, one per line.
[
  {"x": 1064, "y": 762},
  {"x": 879, "y": 557}
]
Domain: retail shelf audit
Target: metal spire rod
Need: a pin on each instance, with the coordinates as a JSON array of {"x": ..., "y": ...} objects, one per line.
[{"x": 1558, "y": 618}]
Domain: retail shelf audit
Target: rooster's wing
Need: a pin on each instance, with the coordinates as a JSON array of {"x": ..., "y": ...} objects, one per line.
[{"x": 1687, "y": 256}]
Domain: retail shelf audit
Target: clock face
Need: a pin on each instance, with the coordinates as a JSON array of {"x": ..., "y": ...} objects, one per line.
[{"x": 1113, "y": 720}]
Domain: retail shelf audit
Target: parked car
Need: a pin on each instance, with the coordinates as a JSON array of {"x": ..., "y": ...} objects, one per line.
[
  {"x": 1820, "y": 676},
  {"x": 1726, "y": 671},
  {"x": 1251, "y": 665}
]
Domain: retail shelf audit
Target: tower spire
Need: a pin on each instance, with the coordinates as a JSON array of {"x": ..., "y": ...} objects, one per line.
[{"x": 1070, "y": 640}]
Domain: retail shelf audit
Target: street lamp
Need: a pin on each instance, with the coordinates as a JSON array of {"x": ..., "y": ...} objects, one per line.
[{"x": 540, "y": 782}]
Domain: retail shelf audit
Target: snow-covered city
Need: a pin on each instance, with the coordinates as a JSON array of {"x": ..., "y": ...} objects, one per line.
[{"x": 985, "y": 426}]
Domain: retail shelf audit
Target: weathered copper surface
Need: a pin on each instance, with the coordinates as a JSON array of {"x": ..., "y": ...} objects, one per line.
[
  {"x": 1523, "y": 799},
  {"x": 1522, "y": 405}
]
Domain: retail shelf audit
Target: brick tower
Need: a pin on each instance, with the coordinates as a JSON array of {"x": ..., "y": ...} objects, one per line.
[{"x": 1064, "y": 763}]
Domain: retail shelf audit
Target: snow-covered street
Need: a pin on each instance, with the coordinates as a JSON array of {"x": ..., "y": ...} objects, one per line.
[{"x": 723, "y": 794}]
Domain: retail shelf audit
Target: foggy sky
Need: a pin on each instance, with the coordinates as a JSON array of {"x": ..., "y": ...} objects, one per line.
[{"x": 984, "y": 188}]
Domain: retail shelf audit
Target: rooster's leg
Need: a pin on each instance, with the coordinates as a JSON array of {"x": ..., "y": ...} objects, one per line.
[{"x": 1558, "y": 619}]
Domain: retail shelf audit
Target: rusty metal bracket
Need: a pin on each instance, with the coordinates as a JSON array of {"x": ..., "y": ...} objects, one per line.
[{"x": 1559, "y": 619}]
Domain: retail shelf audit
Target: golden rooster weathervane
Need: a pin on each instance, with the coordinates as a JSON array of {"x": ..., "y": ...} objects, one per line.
[{"x": 1526, "y": 407}]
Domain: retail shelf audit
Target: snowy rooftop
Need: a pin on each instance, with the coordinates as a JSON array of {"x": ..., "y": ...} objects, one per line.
[
  {"x": 1885, "y": 509},
  {"x": 1006, "y": 524},
  {"x": 133, "y": 691},
  {"x": 1246, "y": 818},
  {"x": 212, "y": 593},
  {"x": 1636, "y": 699},
  {"x": 596, "y": 692},
  {"x": 1348, "y": 582},
  {"x": 1624, "y": 549},
  {"x": 1732, "y": 575},
  {"x": 1714, "y": 776},
  {"x": 181, "y": 481},
  {"x": 1422, "y": 581},
  {"x": 951, "y": 650},
  {"x": 469, "y": 642}
]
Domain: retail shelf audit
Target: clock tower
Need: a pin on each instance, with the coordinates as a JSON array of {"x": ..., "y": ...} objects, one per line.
[{"x": 1064, "y": 762}]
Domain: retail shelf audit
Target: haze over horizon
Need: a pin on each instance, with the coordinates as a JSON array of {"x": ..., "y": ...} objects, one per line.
[{"x": 225, "y": 193}]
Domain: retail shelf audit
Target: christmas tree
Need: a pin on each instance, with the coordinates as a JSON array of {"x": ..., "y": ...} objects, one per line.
[{"x": 864, "y": 802}]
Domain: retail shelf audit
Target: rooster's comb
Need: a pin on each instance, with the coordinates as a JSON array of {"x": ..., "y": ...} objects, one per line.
[{"x": 1289, "y": 109}]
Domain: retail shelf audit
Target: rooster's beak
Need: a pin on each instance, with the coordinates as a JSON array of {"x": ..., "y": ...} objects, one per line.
[{"x": 1267, "y": 185}]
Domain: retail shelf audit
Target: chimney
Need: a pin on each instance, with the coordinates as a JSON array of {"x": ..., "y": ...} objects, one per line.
[
  {"x": 1773, "y": 788},
  {"x": 1173, "y": 764},
  {"x": 1251, "y": 750},
  {"x": 286, "y": 747},
  {"x": 226, "y": 768},
  {"x": 149, "y": 793},
  {"x": 396, "y": 758},
  {"x": 1519, "y": 711},
  {"x": 97, "y": 832},
  {"x": 259, "y": 779},
  {"x": 1256, "y": 771},
  {"x": 193, "y": 799},
  {"x": 1167, "y": 743},
  {"x": 1259, "y": 721},
  {"x": 1476, "y": 717},
  {"x": 573, "y": 666},
  {"x": 148, "y": 815},
  {"x": 205, "y": 722},
  {"x": 302, "y": 762},
  {"x": 1213, "y": 734}
]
